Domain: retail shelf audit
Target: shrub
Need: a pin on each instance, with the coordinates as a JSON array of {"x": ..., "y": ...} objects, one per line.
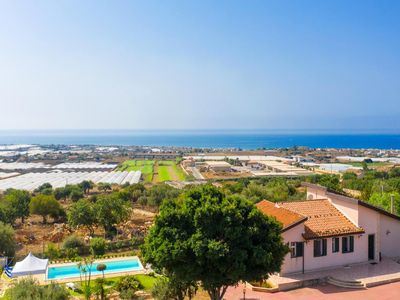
[
  {"x": 7, "y": 240},
  {"x": 74, "y": 242},
  {"x": 52, "y": 251},
  {"x": 161, "y": 290},
  {"x": 29, "y": 289},
  {"x": 98, "y": 246},
  {"x": 127, "y": 286}
]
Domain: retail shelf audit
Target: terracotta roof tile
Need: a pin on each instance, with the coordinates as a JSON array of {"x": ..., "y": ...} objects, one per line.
[
  {"x": 323, "y": 219},
  {"x": 283, "y": 215}
]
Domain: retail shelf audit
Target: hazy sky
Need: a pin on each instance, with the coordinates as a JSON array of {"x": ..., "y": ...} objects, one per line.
[{"x": 199, "y": 64}]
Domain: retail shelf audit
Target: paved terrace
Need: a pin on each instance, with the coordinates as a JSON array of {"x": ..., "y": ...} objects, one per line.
[
  {"x": 323, "y": 291},
  {"x": 388, "y": 270}
]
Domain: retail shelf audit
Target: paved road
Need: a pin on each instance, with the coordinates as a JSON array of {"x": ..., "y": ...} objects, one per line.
[
  {"x": 329, "y": 292},
  {"x": 196, "y": 173}
]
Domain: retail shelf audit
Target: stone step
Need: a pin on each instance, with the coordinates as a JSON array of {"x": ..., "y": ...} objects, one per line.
[{"x": 346, "y": 284}]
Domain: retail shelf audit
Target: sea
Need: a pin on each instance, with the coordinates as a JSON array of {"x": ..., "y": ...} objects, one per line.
[{"x": 239, "y": 139}]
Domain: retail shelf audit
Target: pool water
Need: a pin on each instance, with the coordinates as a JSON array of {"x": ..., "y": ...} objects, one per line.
[{"x": 70, "y": 271}]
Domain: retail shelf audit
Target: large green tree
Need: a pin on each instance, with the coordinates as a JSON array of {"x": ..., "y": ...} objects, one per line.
[
  {"x": 82, "y": 213},
  {"x": 205, "y": 236},
  {"x": 45, "y": 205},
  {"x": 7, "y": 240},
  {"x": 110, "y": 210},
  {"x": 18, "y": 203}
]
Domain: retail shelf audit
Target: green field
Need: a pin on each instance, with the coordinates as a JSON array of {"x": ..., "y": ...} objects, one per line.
[
  {"x": 144, "y": 166},
  {"x": 155, "y": 171},
  {"x": 169, "y": 170}
]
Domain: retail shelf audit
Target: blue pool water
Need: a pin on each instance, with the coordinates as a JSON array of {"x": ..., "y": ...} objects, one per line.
[{"x": 112, "y": 267}]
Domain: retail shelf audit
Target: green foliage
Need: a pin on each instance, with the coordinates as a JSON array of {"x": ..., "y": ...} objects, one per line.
[
  {"x": 76, "y": 194},
  {"x": 29, "y": 289},
  {"x": 218, "y": 240},
  {"x": 395, "y": 172},
  {"x": 102, "y": 186},
  {"x": 7, "y": 240},
  {"x": 169, "y": 288},
  {"x": 45, "y": 189},
  {"x": 159, "y": 193},
  {"x": 75, "y": 243},
  {"x": 86, "y": 186},
  {"x": 110, "y": 210},
  {"x": 276, "y": 189},
  {"x": 52, "y": 251},
  {"x": 99, "y": 289},
  {"x": 17, "y": 204},
  {"x": 161, "y": 290},
  {"x": 98, "y": 246},
  {"x": 82, "y": 213},
  {"x": 45, "y": 205},
  {"x": 85, "y": 269},
  {"x": 330, "y": 181},
  {"x": 61, "y": 193},
  {"x": 72, "y": 191},
  {"x": 127, "y": 286},
  {"x": 101, "y": 267},
  {"x": 349, "y": 176},
  {"x": 383, "y": 200}
]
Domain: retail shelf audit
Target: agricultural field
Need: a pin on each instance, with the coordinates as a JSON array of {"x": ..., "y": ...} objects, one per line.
[
  {"x": 155, "y": 171},
  {"x": 145, "y": 166},
  {"x": 169, "y": 170}
]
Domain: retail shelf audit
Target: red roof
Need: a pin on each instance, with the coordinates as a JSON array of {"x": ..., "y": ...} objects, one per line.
[
  {"x": 323, "y": 219},
  {"x": 283, "y": 215}
]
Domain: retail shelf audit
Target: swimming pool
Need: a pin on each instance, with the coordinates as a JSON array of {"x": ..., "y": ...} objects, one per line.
[{"x": 113, "y": 266}]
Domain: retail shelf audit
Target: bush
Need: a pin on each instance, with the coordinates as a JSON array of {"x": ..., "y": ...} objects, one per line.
[
  {"x": 127, "y": 286},
  {"x": 74, "y": 242},
  {"x": 28, "y": 289},
  {"x": 161, "y": 290},
  {"x": 52, "y": 251},
  {"x": 98, "y": 246},
  {"x": 7, "y": 240}
]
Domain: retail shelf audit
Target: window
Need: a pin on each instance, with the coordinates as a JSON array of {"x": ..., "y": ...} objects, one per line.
[
  {"x": 296, "y": 249},
  {"x": 319, "y": 247},
  {"x": 347, "y": 244},
  {"x": 335, "y": 244}
]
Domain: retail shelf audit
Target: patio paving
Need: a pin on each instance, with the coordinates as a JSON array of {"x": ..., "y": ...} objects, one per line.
[
  {"x": 386, "y": 271},
  {"x": 323, "y": 291}
]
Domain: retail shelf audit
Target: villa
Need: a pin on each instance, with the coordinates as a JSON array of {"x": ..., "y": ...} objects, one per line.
[{"x": 329, "y": 231}]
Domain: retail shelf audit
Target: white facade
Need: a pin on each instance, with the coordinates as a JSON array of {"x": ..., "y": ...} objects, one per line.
[{"x": 381, "y": 237}]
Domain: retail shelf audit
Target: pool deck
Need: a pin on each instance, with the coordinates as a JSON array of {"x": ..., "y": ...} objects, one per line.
[{"x": 42, "y": 278}]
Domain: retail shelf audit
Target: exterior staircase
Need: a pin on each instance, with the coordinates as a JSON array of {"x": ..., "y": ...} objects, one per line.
[{"x": 351, "y": 284}]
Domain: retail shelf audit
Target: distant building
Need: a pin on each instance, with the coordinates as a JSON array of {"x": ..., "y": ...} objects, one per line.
[{"x": 218, "y": 166}]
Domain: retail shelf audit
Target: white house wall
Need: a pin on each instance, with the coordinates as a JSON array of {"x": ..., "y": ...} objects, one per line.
[{"x": 390, "y": 236}]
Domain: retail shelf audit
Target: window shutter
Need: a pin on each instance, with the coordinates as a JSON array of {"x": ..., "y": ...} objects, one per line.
[
  {"x": 335, "y": 244},
  {"x": 299, "y": 249},
  {"x": 344, "y": 242},
  {"x": 351, "y": 243},
  {"x": 316, "y": 248},
  {"x": 324, "y": 247}
]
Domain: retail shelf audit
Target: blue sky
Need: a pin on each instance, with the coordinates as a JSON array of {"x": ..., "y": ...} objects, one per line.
[{"x": 200, "y": 64}]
